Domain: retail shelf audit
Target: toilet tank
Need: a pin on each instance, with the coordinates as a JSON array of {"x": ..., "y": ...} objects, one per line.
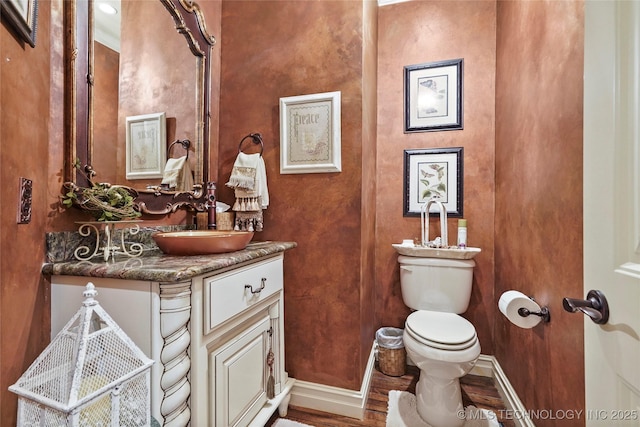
[{"x": 436, "y": 284}]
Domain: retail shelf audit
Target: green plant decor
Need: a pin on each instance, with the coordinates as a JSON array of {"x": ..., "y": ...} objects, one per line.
[{"x": 104, "y": 201}]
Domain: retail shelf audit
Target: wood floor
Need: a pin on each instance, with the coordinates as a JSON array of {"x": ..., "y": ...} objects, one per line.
[{"x": 476, "y": 390}]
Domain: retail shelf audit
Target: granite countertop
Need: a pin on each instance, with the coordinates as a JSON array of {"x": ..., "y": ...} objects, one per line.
[{"x": 158, "y": 267}]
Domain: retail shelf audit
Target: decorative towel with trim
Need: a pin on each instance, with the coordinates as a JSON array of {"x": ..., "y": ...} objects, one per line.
[
  {"x": 243, "y": 174},
  {"x": 177, "y": 174},
  {"x": 249, "y": 181}
]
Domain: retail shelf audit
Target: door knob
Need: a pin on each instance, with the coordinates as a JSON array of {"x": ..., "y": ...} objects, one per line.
[{"x": 595, "y": 306}]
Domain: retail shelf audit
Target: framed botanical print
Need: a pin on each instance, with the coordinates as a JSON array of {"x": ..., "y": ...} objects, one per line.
[{"x": 433, "y": 174}]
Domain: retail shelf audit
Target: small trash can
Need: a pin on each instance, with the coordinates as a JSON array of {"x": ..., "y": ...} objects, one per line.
[{"x": 392, "y": 357}]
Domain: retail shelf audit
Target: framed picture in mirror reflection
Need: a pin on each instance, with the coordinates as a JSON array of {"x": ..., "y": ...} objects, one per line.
[{"x": 146, "y": 142}]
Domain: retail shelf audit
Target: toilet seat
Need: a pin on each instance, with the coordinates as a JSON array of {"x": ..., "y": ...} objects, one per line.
[{"x": 444, "y": 331}]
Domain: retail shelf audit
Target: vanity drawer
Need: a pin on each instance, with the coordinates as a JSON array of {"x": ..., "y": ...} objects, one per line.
[{"x": 228, "y": 294}]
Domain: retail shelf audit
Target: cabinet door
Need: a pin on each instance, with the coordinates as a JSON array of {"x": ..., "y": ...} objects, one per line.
[{"x": 240, "y": 376}]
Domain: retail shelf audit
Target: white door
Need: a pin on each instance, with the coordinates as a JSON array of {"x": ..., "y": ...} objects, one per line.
[{"x": 612, "y": 210}]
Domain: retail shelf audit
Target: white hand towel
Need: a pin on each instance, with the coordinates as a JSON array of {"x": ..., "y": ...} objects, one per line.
[
  {"x": 172, "y": 171},
  {"x": 186, "y": 178},
  {"x": 177, "y": 174},
  {"x": 261, "y": 181}
]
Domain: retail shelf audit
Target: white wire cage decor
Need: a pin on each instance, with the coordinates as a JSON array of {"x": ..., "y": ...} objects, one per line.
[{"x": 91, "y": 374}]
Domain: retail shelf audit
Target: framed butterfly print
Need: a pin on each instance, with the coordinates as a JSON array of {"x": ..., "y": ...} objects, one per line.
[
  {"x": 433, "y": 96},
  {"x": 434, "y": 173}
]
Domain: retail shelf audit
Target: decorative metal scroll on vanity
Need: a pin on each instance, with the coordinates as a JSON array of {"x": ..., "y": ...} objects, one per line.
[{"x": 108, "y": 247}]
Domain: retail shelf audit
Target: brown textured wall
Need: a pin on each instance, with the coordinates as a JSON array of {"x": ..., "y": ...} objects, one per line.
[
  {"x": 539, "y": 197},
  {"x": 414, "y": 33},
  {"x": 25, "y": 132},
  {"x": 105, "y": 122},
  {"x": 273, "y": 49},
  {"x": 369, "y": 150}
]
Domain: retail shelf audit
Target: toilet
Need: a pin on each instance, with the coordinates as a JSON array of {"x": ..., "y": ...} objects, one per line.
[{"x": 442, "y": 344}]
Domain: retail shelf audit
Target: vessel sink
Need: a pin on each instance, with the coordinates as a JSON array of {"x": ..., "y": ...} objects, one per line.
[
  {"x": 427, "y": 252},
  {"x": 201, "y": 242}
]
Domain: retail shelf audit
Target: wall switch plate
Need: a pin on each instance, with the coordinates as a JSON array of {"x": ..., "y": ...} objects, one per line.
[{"x": 26, "y": 191}]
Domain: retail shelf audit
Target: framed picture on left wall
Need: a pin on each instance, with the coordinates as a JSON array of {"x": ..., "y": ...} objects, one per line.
[
  {"x": 23, "y": 17},
  {"x": 146, "y": 142}
]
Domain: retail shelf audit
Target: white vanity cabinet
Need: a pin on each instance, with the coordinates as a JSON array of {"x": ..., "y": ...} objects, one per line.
[
  {"x": 209, "y": 336},
  {"x": 242, "y": 319}
]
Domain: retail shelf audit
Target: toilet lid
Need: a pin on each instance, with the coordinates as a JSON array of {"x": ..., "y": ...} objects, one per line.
[{"x": 446, "y": 331}]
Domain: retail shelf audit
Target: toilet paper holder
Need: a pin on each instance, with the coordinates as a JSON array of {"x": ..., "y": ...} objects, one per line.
[{"x": 543, "y": 313}]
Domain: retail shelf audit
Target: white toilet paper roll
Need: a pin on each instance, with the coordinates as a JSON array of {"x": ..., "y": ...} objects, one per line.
[{"x": 509, "y": 304}]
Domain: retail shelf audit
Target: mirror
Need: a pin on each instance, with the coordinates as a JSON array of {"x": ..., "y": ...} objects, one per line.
[{"x": 155, "y": 73}]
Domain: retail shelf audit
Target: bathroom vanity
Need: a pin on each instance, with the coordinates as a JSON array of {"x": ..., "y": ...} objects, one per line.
[{"x": 209, "y": 322}]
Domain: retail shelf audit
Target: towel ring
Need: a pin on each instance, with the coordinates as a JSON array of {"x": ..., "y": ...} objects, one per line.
[
  {"x": 257, "y": 139},
  {"x": 185, "y": 144}
]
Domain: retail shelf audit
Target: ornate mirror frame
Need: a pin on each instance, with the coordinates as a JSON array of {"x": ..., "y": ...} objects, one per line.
[{"x": 189, "y": 21}]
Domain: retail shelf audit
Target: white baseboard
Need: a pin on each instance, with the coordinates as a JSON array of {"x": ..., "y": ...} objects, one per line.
[
  {"x": 488, "y": 366},
  {"x": 335, "y": 400},
  {"x": 352, "y": 403}
]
